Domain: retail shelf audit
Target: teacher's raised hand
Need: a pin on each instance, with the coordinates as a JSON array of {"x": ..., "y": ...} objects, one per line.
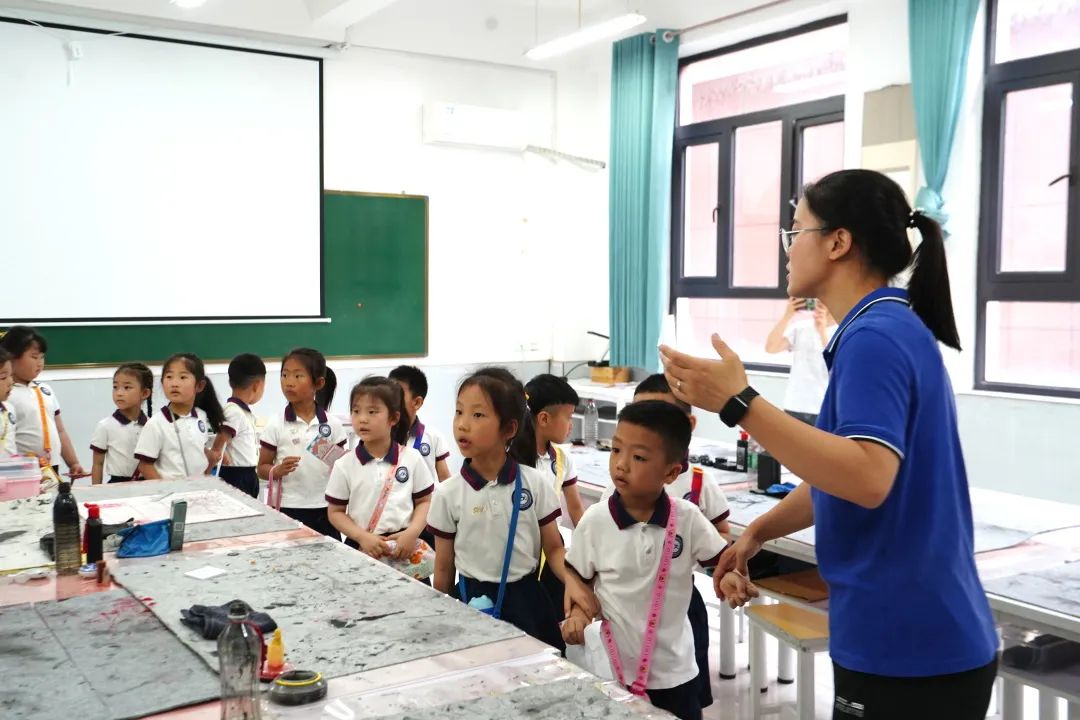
[{"x": 707, "y": 384}]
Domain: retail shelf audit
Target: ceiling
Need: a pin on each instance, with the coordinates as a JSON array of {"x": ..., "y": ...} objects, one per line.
[{"x": 498, "y": 31}]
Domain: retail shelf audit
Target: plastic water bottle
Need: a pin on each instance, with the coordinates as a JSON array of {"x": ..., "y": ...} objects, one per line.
[
  {"x": 67, "y": 545},
  {"x": 240, "y": 657},
  {"x": 591, "y": 425}
]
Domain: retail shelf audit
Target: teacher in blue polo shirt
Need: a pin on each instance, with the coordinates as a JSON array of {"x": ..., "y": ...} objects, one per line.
[{"x": 911, "y": 633}]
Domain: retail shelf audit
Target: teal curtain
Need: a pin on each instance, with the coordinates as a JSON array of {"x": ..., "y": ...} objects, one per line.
[
  {"x": 939, "y": 36},
  {"x": 644, "y": 78}
]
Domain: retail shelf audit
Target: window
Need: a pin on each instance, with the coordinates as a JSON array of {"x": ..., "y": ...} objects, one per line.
[
  {"x": 1028, "y": 328},
  {"x": 757, "y": 121}
]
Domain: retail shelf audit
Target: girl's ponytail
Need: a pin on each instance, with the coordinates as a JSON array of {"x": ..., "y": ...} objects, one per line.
[
  {"x": 928, "y": 288},
  {"x": 325, "y": 395},
  {"x": 523, "y": 445},
  {"x": 207, "y": 401}
]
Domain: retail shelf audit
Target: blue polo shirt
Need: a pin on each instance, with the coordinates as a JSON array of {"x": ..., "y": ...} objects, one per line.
[{"x": 905, "y": 598}]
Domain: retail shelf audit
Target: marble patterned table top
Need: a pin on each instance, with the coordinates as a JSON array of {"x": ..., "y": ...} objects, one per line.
[
  {"x": 340, "y": 611},
  {"x": 24, "y": 521},
  {"x": 98, "y": 657}
]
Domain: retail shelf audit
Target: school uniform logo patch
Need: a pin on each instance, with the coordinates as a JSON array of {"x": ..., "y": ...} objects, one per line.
[
  {"x": 677, "y": 550},
  {"x": 554, "y": 468},
  {"x": 11, "y": 417},
  {"x": 402, "y": 475},
  {"x": 44, "y": 390},
  {"x": 425, "y": 449},
  {"x": 202, "y": 426},
  {"x": 324, "y": 430},
  {"x": 526, "y": 499}
]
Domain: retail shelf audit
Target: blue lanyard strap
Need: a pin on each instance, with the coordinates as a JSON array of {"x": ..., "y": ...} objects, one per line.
[{"x": 516, "y": 499}]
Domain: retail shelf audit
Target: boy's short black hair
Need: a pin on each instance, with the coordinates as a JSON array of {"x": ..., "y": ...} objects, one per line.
[
  {"x": 547, "y": 390},
  {"x": 244, "y": 370},
  {"x": 658, "y": 384},
  {"x": 19, "y": 338},
  {"x": 664, "y": 419},
  {"x": 413, "y": 377}
]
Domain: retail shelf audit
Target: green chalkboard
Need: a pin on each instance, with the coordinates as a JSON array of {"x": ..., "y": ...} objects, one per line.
[{"x": 374, "y": 292}]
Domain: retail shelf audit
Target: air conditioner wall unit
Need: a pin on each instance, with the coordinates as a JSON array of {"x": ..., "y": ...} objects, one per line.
[{"x": 446, "y": 123}]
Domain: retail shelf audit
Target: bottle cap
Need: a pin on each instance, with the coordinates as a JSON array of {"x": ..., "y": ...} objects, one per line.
[
  {"x": 238, "y": 610},
  {"x": 93, "y": 511},
  {"x": 744, "y": 435}
]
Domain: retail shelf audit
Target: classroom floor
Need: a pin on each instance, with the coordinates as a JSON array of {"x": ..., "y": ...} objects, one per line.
[{"x": 731, "y": 698}]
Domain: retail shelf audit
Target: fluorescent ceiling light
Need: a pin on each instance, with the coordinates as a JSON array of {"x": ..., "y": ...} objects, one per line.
[
  {"x": 585, "y": 36},
  {"x": 188, "y": 3}
]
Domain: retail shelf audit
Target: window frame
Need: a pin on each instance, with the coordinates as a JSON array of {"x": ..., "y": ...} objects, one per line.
[
  {"x": 992, "y": 285},
  {"x": 794, "y": 119}
]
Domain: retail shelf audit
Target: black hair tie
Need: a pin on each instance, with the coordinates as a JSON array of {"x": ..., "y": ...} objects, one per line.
[{"x": 913, "y": 216}]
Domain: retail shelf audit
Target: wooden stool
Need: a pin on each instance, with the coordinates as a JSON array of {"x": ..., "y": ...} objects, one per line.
[
  {"x": 807, "y": 633},
  {"x": 805, "y": 589}
]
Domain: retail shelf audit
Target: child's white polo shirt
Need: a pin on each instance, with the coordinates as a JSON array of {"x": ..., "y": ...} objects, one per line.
[
  {"x": 357, "y": 480},
  {"x": 287, "y": 435},
  {"x": 624, "y": 557},
  {"x": 475, "y": 513}
]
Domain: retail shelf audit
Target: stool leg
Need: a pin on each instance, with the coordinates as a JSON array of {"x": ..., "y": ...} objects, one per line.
[
  {"x": 786, "y": 665},
  {"x": 1074, "y": 711},
  {"x": 757, "y": 669},
  {"x": 758, "y": 660},
  {"x": 1048, "y": 706},
  {"x": 1012, "y": 700},
  {"x": 727, "y": 642},
  {"x": 741, "y": 619},
  {"x": 805, "y": 690}
]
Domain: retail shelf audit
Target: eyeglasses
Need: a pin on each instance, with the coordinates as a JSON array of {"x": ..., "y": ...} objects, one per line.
[{"x": 787, "y": 237}]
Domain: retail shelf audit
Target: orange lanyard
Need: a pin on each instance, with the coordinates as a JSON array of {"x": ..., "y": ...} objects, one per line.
[{"x": 44, "y": 420}]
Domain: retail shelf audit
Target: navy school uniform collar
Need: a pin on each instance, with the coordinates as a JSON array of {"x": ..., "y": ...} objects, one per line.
[
  {"x": 169, "y": 414},
  {"x": 240, "y": 404},
  {"x": 290, "y": 414},
  {"x": 506, "y": 474},
  {"x": 623, "y": 519},
  {"x": 365, "y": 457},
  {"x": 417, "y": 428},
  {"x": 885, "y": 294},
  {"x": 121, "y": 417}
]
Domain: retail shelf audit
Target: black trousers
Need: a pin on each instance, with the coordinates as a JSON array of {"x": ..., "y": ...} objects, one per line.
[
  {"x": 699, "y": 624},
  {"x": 525, "y": 605},
  {"x": 243, "y": 479},
  {"x": 959, "y": 696},
  {"x": 314, "y": 518},
  {"x": 681, "y": 701}
]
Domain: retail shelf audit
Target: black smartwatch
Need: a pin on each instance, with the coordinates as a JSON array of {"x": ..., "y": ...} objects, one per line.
[{"x": 735, "y": 409}]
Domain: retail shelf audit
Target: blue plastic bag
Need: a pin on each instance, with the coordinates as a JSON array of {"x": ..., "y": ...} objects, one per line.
[{"x": 145, "y": 540}]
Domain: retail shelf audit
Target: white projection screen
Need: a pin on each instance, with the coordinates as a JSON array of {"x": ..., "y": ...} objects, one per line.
[{"x": 152, "y": 179}]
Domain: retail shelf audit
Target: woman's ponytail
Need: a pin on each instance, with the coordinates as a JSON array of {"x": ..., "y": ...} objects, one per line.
[{"x": 928, "y": 288}]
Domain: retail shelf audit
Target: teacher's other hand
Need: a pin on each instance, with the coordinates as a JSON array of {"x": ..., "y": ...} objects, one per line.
[{"x": 707, "y": 384}]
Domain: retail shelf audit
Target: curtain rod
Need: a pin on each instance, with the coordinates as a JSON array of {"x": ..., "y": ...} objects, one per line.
[{"x": 670, "y": 35}]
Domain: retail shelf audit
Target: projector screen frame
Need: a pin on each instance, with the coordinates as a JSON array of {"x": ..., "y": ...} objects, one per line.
[{"x": 191, "y": 319}]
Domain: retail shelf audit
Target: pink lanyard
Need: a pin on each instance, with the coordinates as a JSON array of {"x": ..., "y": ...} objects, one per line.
[
  {"x": 273, "y": 491},
  {"x": 384, "y": 495},
  {"x": 656, "y": 608}
]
